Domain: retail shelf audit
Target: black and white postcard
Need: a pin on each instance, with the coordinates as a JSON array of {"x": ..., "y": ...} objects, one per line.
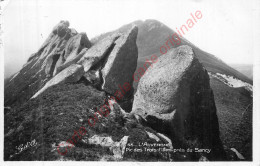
[{"x": 129, "y": 81}]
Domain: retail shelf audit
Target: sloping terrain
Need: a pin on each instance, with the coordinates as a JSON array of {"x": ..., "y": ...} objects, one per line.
[{"x": 54, "y": 116}]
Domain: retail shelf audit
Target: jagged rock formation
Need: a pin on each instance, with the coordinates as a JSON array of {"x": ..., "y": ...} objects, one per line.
[
  {"x": 103, "y": 63},
  {"x": 107, "y": 58},
  {"x": 62, "y": 48},
  {"x": 174, "y": 96}
]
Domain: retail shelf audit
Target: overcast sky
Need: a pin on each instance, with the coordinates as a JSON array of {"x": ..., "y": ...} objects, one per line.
[{"x": 225, "y": 29}]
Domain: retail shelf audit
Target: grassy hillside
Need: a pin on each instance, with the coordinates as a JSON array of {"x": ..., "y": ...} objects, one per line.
[{"x": 53, "y": 117}]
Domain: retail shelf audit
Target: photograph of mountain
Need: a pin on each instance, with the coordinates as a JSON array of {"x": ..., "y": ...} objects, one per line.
[{"x": 138, "y": 91}]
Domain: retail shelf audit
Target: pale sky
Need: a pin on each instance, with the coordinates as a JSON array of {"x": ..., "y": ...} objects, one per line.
[{"x": 225, "y": 30}]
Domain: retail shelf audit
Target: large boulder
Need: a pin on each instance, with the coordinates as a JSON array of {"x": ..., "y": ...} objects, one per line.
[
  {"x": 121, "y": 65},
  {"x": 175, "y": 98},
  {"x": 62, "y": 28},
  {"x": 69, "y": 75}
]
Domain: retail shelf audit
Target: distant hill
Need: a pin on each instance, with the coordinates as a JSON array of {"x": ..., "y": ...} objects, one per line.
[
  {"x": 152, "y": 34},
  {"x": 246, "y": 69}
]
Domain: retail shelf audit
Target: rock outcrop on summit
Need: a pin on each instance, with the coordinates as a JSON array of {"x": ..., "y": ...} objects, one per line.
[
  {"x": 175, "y": 98},
  {"x": 114, "y": 58},
  {"x": 61, "y": 49},
  {"x": 109, "y": 63}
]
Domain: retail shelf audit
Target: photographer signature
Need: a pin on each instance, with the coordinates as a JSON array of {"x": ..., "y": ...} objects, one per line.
[{"x": 23, "y": 147}]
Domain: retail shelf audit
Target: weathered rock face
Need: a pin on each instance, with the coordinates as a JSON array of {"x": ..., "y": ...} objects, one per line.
[
  {"x": 114, "y": 59},
  {"x": 69, "y": 75},
  {"x": 175, "y": 98},
  {"x": 121, "y": 63}
]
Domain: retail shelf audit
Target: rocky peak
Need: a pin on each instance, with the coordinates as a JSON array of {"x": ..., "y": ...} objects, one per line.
[
  {"x": 61, "y": 49},
  {"x": 62, "y": 28}
]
